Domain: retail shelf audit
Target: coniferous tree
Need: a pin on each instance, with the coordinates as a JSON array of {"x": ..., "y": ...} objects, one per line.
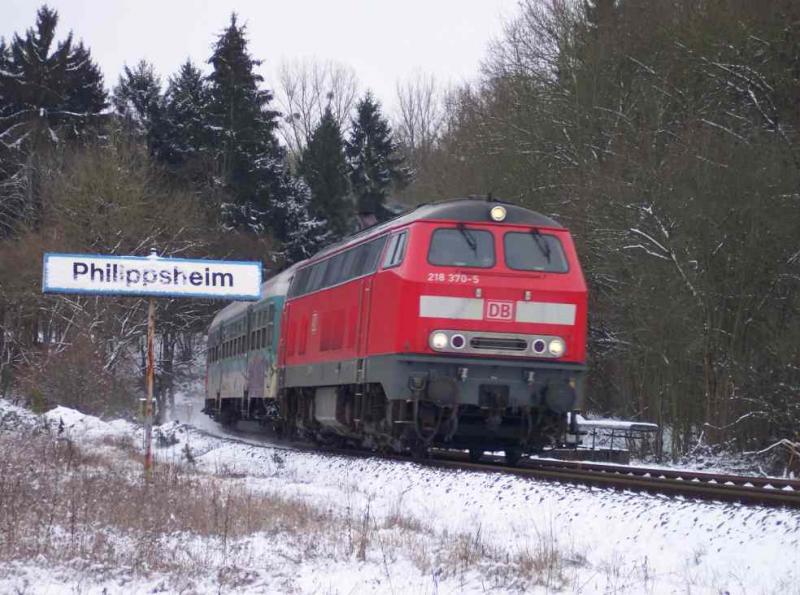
[
  {"x": 292, "y": 222},
  {"x": 186, "y": 113},
  {"x": 50, "y": 91},
  {"x": 251, "y": 162},
  {"x": 46, "y": 88},
  {"x": 248, "y": 153},
  {"x": 324, "y": 167},
  {"x": 375, "y": 164},
  {"x": 11, "y": 187},
  {"x": 137, "y": 98}
]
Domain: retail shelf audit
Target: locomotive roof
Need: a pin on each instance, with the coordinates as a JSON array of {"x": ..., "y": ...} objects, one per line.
[{"x": 458, "y": 209}]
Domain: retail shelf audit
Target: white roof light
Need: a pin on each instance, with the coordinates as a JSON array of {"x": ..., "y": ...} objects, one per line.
[{"x": 498, "y": 213}]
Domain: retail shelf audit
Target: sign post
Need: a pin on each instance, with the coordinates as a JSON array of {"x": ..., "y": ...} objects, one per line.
[
  {"x": 150, "y": 376},
  {"x": 152, "y": 276}
]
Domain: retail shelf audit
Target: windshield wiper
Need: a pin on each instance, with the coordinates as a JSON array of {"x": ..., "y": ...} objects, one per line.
[
  {"x": 541, "y": 243},
  {"x": 468, "y": 237}
]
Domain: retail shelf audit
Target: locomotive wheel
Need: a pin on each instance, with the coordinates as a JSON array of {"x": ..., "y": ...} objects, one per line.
[
  {"x": 419, "y": 451},
  {"x": 513, "y": 455},
  {"x": 475, "y": 455},
  {"x": 228, "y": 418}
]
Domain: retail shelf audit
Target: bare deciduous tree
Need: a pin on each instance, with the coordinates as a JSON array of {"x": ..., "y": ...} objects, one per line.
[
  {"x": 304, "y": 89},
  {"x": 420, "y": 116}
]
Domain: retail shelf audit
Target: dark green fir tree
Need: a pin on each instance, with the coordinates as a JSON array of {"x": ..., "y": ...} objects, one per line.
[
  {"x": 186, "y": 117},
  {"x": 248, "y": 153},
  {"x": 375, "y": 164},
  {"x": 324, "y": 167},
  {"x": 49, "y": 92},
  {"x": 251, "y": 162},
  {"x": 137, "y": 99}
]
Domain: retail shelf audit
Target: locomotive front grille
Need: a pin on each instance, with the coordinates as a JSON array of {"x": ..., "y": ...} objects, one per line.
[
  {"x": 489, "y": 343},
  {"x": 498, "y": 343}
]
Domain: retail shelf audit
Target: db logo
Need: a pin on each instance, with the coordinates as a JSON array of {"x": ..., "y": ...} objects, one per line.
[{"x": 499, "y": 311}]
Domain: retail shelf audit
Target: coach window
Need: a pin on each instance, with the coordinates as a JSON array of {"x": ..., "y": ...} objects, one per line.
[
  {"x": 463, "y": 247},
  {"x": 270, "y": 324},
  {"x": 396, "y": 250}
]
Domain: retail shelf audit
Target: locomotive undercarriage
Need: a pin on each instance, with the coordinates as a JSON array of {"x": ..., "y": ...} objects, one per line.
[
  {"x": 419, "y": 402},
  {"x": 365, "y": 418},
  {"x": 413, "y": 403}
]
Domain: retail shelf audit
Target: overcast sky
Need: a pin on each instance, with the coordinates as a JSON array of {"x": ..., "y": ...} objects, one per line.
[{"x": 383, "y": 40}]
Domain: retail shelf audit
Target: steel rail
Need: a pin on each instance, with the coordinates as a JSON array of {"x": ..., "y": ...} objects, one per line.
[
  {"x": 694, "y": 484},
  {"x": 778, "y": 483},
  {"x": 701, "y": 485}
]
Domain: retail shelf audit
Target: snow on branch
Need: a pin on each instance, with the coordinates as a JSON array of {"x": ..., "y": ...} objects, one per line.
[
  {"x": 724, "y": 129},
  {"x": 650, "y": 239}
]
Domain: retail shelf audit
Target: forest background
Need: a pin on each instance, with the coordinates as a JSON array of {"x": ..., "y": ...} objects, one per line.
[{"x": 663, "y": 134}]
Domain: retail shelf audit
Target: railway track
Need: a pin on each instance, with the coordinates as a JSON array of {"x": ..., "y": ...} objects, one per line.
[
  {"x": 701, "y": 485},
  {"x": 691, "y": 484}
]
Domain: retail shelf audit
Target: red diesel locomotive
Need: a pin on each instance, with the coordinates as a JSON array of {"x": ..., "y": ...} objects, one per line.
[{"x": 460, "y": 324}]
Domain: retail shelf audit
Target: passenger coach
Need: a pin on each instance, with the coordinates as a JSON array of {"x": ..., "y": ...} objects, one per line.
[{"x": 459, "y": 324}]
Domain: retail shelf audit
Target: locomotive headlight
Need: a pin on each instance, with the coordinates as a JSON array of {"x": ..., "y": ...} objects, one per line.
[
  {"x": 556, "y": 347},
  {"x": 438, "y": 340},
  {"x": 498, "y": 213}
]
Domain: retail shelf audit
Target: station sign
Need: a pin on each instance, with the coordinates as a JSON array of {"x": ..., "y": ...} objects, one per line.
[{"x": 153, "y": 276}]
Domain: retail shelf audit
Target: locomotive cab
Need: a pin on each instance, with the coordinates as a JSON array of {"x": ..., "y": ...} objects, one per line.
[
  {"x": 459, "y": 324},
  {"x": 484, "y": 327}
]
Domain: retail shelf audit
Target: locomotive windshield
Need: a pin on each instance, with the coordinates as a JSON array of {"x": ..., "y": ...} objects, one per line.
[
  {"x": 534, "y": 251},
  {"x": 462, "y": 247}
]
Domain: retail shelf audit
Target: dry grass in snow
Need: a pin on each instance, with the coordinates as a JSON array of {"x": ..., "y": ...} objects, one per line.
[{"x": 89, "y": 513}]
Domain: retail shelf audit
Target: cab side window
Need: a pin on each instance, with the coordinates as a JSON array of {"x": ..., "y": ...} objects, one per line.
[{"x": 396, "y": 250}]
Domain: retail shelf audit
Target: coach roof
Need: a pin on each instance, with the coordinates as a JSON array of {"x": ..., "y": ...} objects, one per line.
[
  {"x": 458, "y": 209},
  {"x": 276, "y": 285}
]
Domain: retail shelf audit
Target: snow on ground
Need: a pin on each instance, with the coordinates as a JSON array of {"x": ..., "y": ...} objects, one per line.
[
  {"x": 629, "y": 541},
  {"x": 605, "y": 541}
]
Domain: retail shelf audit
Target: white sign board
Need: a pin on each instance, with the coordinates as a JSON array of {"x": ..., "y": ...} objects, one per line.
[{"x": 151, "y": 276}]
